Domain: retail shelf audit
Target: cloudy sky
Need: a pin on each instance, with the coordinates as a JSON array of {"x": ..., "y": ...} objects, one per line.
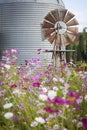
[{"x": 79, "y": 8}]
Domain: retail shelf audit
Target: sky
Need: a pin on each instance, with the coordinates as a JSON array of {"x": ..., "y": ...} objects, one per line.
[{"x": 79, "y": 8}]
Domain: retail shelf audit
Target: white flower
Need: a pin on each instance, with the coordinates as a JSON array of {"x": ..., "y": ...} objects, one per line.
[
  {"x": 8, "y": 115},
  {"x": 85, "y": 97},
  {"x": 34, "y": 124},
  {"x": 55, "y": 88},
  {"x": 42, "y": 97},
  {"x": 56, "y": 127},
  {"x": 17, "y": 91},
  {"x": 7, "y": 66},
  {"x": 8, "y": 105},
  {"x": 79, "y": 124},
  {"x": 44, "y": 89},
  {"x": 55, "y": 79},
  {"x": 40, "y": 120},
  {"x": 79, "y": 100},
  {"x": 52, "y": 94}
]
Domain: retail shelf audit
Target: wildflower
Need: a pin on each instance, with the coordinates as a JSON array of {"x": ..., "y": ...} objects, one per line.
[
  {"x": 72, "y": 97},
  {"x": 8, "y": 105},
  {"x": 55, "y": 79},
  {"x": 8, "y": 115},
  {"x": 14, "y": 51},
  {"x": 36, "y": 84},
  {"x": 40, "y": 120},
  {"x": 52, "y": 94},
  {"x": 13, "y": 86},
  {"x": 49, "y": 109},
  {"x": 7, "y": 66},
  {"x": 56, "y": 127},
  {"x": 84, "y": 121},
  {"x": 60, "y": 101},
  {"x": 79, "y": 100},
  {"x": 34, "y": 124},
  {"x": 85, "y": 79},
  {"x": 2, "y": 92},
  {"x": 79, "y": 124},
  {"x": 42, "y": 97},
  {"x": 85, "y": 97},
  {"x": 21, "y": 106}
]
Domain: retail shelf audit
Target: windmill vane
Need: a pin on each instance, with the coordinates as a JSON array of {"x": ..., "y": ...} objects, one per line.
[{"x": 59, "y": 26}]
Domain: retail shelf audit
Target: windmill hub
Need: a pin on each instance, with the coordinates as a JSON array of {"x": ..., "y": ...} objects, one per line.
[{"x": 60, "y": 27}]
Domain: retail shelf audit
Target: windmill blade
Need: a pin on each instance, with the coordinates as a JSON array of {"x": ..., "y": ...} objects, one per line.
[
  {"x": 55, "y": 14},
  {"x": 46, "y": 24},
  {"x": 68, "y": 16},
  {"x": 62, "y": 14},
  {"x": 73, "y": 29},
  {"x": 58, "y": 40},
  {"x": 47, "y": 32},
  {"x": 65, "y": 40},
  {"x": 50, "y": 18},
  {"x": 52, "y": 37},
  {"x": 72, "y": 22},
  {"x": 71, "y": 36}
]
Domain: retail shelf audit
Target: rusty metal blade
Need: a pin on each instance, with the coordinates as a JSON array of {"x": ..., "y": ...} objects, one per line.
[
  {"x": 68, "y": 16},
  {"x": 55, "y": 14},
  {"x": 71, "y": 36},
  {"x": 73, "y": 29},
  {"x": 46, "y": 24},
  {"x": 47, "y": 32},
  {"x": 72, "y": 22},
  {"x": 62, "y": 14},
  {"x": 50, "y": 18},
  {"x": 52, "y": 38}
]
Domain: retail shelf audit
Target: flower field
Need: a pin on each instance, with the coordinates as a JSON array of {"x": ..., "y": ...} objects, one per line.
[{"x": 33, "y": 97}]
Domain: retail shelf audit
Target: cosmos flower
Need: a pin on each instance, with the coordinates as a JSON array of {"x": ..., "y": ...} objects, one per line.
[
  {"x": 40, "y": 120},
  {"x": 8, "y": 115},
  {"x": 43, "y": 97},
  {"x": 52, "y": 94},
  {"x": 36, "y": 84},
  {"x": 8, "y": 105},
  {"x": 84, "y": 121},
  {"x": 34, "y": 124}
]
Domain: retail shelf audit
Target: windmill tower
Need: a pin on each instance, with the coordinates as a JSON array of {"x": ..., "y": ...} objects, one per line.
[{"x": 59, "y": 27}]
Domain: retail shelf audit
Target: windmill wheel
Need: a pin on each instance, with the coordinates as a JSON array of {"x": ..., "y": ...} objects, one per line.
[
  {"x": 59, "y": 27},
  {"x": 59, "y": 22}
]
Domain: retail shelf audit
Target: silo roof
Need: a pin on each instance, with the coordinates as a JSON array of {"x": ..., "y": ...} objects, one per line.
[{"x": 60, "y": 2}]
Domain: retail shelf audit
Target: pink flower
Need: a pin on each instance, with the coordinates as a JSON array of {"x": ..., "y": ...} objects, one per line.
[
  {"x": 84, "y": 121},
  {"x": 36, "y": 84},
  {"x": 61, "y": 101},
  {"x": 13, "y": 86},
  {"x": 21, "y": 106},
  {"x": 50, "y": 110}
]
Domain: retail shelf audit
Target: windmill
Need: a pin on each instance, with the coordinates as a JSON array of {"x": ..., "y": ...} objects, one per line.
[{"x": 59, "y": 27}]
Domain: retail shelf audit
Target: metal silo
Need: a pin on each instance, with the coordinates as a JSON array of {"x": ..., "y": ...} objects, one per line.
[{"x": 20, "y": 25}]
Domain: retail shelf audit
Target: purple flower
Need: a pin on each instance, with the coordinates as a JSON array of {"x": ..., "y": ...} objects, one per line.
[
  {"x": 16, "y": 118},
  {"x": 14, "y": 51},
  {"x": 36, "y": 84},
  {"x": 84, "y": 121},
  {"x": 61, "y": 101},
  {"x": 71, "y": 94},
  {"x": 13, "y": 86},
  {"x": 85, "y": 79},
  {"x": 50, "y": 110},
  {"x": 2, "y": 92},
  {"x": 21, "y": 106},
  {"x": 39, "y": 49}
]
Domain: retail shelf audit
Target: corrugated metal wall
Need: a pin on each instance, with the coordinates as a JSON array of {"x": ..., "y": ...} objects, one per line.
[{"x": 20, "y": 27}]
